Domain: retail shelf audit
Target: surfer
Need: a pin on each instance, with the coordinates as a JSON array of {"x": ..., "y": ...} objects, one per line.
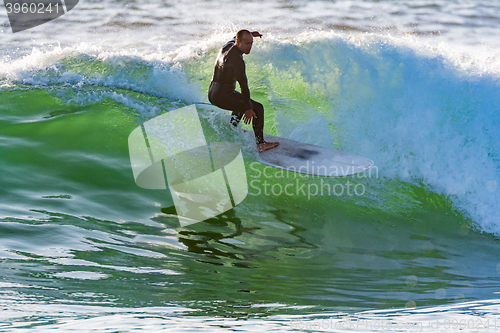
[{"x": 229, "y": 68}]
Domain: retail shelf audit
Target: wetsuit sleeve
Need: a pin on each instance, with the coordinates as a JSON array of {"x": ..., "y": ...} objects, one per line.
[{"x": 239, "y": 74}]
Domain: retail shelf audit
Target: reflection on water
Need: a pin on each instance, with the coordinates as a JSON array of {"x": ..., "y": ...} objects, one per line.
[
  {"x": 340, "y": 263},
  {"x": 239, "y": 264}
]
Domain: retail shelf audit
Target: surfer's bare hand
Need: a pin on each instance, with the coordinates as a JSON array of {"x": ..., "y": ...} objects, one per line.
[
  {"x": 249, "y": 114},
  {"x": 256, "y": 34}
]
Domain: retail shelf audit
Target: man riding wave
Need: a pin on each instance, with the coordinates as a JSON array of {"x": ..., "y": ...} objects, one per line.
[{"x": 229, "y": 68}]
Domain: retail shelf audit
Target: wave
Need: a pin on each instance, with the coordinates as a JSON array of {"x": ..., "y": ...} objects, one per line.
[{"x": 426, "y": 114}]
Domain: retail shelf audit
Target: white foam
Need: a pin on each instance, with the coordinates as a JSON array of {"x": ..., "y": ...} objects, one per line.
[{"x": 85, "y": 65}]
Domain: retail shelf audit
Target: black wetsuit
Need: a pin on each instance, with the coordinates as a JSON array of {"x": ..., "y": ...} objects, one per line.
[{"x": 229, "y": 68}]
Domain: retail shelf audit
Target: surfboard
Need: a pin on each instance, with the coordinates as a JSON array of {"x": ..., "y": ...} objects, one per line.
[{"x": 311, "y": 159}]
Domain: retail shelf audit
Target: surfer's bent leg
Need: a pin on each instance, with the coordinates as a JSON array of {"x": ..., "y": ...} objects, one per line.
[
  {"x": 257, "y": 123},
  {"x": 234, "y": 102}
]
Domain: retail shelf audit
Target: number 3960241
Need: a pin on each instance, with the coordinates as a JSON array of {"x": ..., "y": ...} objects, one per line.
[{"x": 33, "y": 8}]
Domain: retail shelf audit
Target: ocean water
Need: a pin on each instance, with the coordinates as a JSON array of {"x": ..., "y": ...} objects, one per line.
[{"x": 412, "y": 245}]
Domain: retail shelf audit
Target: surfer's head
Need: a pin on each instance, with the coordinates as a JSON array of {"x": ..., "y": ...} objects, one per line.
[{"x": 244, "y": 41}]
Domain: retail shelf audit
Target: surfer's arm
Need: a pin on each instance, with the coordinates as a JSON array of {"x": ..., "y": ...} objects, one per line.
[{"x": 239, "y": 74}]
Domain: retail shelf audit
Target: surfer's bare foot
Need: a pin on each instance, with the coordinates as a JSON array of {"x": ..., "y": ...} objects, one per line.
[{"x": 266, "y": 146}]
